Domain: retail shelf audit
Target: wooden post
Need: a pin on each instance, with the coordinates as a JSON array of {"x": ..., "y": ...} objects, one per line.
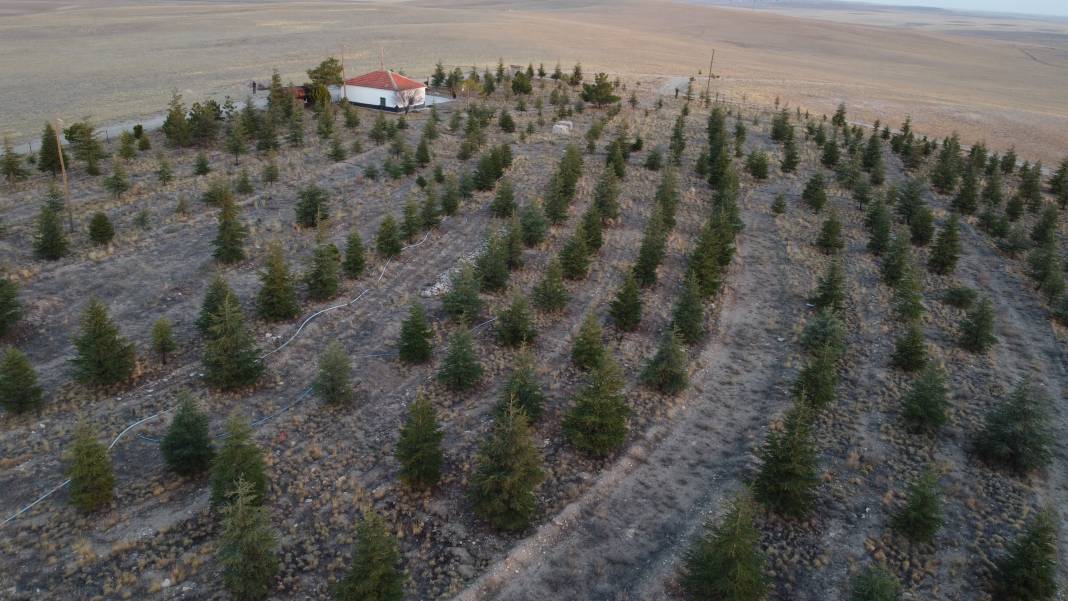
[
  {"x": 708, "y": 84},
  {"x": 63, "y": 169}
]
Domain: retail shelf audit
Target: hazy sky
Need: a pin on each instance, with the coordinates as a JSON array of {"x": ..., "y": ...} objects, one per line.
[{"x": 1038, "y": 7}]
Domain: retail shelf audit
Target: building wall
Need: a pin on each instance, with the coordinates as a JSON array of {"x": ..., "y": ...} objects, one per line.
[{"x": 372, "y": 96}]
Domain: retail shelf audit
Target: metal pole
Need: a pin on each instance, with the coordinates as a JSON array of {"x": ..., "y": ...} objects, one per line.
[{"x": 63, "y": 169}]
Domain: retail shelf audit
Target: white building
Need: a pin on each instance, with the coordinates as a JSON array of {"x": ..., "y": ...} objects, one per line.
[{"x": 385, "y": 90}]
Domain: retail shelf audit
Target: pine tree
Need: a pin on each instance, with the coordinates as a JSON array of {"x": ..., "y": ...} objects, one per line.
[
  {"x": 48, "y": 157},
  {"x": 831, "y": 154},
  {"x": 462, "y": 301},
  {"x": 592, "y": 228},
  {"x": 419, "y": 446},
  {"x": 388, "y": 240},
  {"x": 11, "y": 166},
  {"x": 19, "y": 391},
  {"x": 333, "y": 383},
  {"x": 243, "y": 185},
  {"x": 688, "y": 316},
  {"x": 514, "y": 326},
  {"x": 311, "y": 206},
  {"x": 977, "y": 328},
  {"x": 277, "y": 298},
  {"x": 429, "y": 213},
  {"x": 651, "y": 250},
  {"x": 187, "y": 447},
  {"x": 164, "y": 171},
  {"x": 788, "y": 472},
  {"x": 162, "y": 337},
  {"x": 1017, "y": 434},
  {"x": 492, "y": 265},
  {"x": 875, "y": 584},
  {"x": 817, "y": 384},
  {"x": 239, "y": 459},
  {"x": 201, "y": 166},
  {"x": 606, "y": 195},
  {"x": 231, "y": 359},
  {"x": 50, "y": 243},
  {"x": 513, "y": 242},
  {"x": 248, "y": 546},
  {"x": 415, "y": 345},
  {"x": 666, "y": 371},
  {"x": 523, "y": 389},
  {"x": 575, "y": 257},
  {"x": 508, "y": 469},
  {"x": 967, "y": 199},
  {"x": 214, "y": 296},
  {"x": 588, "y": 350},
  {"x": 450, "y": 200},
  {"x": 921, "y": 228},
  {"x": 597, "y": 422},
  {"x": 921, "y": 516},
  {"x": 908, "y": 296},
  {"x": 461, "y": 371},
  {"x": 830, "y": 292},
  {"x": 229, "y": 243},
  {"x": 726, "y": 562},
  {"x": 910, "y": 350},
  {"x": 103, "y": 356},
  {"x": 791, "y": 157},
  {"x": 824, "y": 333},
  {"x": 100, "y": 230},
  {"x": 550, "y": 295},
  {"x": 879, "y": 228},
  {"x": 946, "y": 249},
  {"x": 814, "y": 195},
  {"x": 830, "y": 238},
  {"x": 626, "y": 308},
  {"x": 324, "y": 274},
  {"x": 898, "y": 258},
  {"x": 375, "y": 573},
  {"x": 1028, "y": 572},
  {"x": 925, "y": 406},
  {"x": 92, "y": 481}
]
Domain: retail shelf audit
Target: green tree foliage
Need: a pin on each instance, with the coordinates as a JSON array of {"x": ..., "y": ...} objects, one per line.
[
  {"x": 757, "y": 165},
  {"x": 462, "y": 301},
  {"x": 201, "y": 165},
  {"x": 248, "y": 546},
  {"x": 946, "y": 170},
  {"x": 19, "y": 390},
  {"x": 897, "y": 260},
  {"x": 921, "y": 516},
  {"x": 921, "y": 228},
  {"x": 908, "y": 296},
  {"x": 103, "y": 356},
  {"x": 875, "y": 584},
  {"x": 830, "y": 292},
  {"x": 461, "y": 371},
  {"x": 831, "y": 153},
  {"x": 514, "y": 325},
  {"x": 311, "y": 206},
  {"x": 651, "y": 251},
  {"x": 550, "y": 294},
  {"x": 415, "y": 345},
  {"x": 925, "y": 407},
  {"x": 830, "y": 239},
  {"x": 49, "y": 243},
  {"x": 600, "y": 92},
  {"x": 217, "y": 291},
  {"x": 229, "y": 242},
  {"x": 575, "y": 257},
  {"x": 946, "y": 249},
  {"x": 788, "y": 473},
  {"x": 588, "y": 350},
  {"x": 187, "y": 447},
  {"x": 879, "y": 227},
  {"x": 324, "y": 274},
  {"x": 824, "y": 333},
  {"x": 162, "y": 337},
  {"x": 606, "y": 195},
  {"x": 966, "y": 200},
  {"x": 508, "y": 470},
  {"x": 666, "y": 371},
  {"x": 626, "y": 308},
  {"x": 817, "y": 384},
  {"x": 910, "y": 349},
  {"x": 726, "y": 562},
  {"x": 419, "y": 446},
  {"x": 333, "y": 383},
  {"x": 1017, "y": 434},
  {"x": 388, "y": 241},
  {"x": 277, "y": 298},
  {"x": 231, "y": 359},
  {"x": 503, "y": 204},
  {"x": 375, "y": 574},
  {"x": 597, "y": 421},
  {"x": 164, "y": 171},
  {"x": 48, "y": 159},
  {"x": 523, "y": 389},
  {"x": 815, "y": 194},
  {"x": 238, "y": 459},
  {"x": 533, "y": 224},
  {"x": 92, "y": 480},
  {"x": 688, "y": 315},
  {"x": 100, "y": 230},
  {"x": 977, "y": 328},
  {"x": 492, "y": 265},
  {"x": 1028, "y": 572}
]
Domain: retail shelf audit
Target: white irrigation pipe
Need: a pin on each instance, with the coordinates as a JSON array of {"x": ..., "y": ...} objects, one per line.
[{"x": 303, "y": 395}]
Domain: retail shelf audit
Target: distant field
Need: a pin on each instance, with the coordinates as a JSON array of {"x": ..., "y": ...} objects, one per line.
[{"x": 999, "y": 79}]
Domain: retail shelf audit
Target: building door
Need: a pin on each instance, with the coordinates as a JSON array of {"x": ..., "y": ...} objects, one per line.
[{"x": 381, "y": 102}]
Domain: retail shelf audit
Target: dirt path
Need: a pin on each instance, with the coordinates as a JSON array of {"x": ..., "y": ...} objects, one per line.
[{"x": 619, "y": 539}]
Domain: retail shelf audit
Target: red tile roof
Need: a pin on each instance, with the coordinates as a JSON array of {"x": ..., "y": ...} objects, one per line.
[{"x": 385, "y": 80}]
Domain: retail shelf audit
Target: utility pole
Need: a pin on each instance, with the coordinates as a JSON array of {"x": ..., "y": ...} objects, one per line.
[
  {"x": 708, "y": 84},
  {"x": 381, "y": 58},
  {"x": 63, "y": 169}
]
